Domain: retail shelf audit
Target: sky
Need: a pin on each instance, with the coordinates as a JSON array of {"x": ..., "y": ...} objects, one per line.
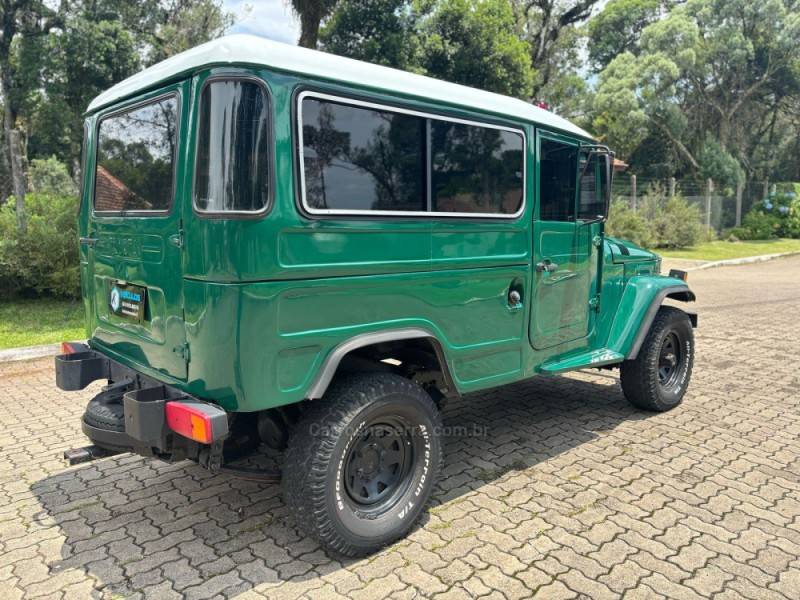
[{"x": 271, "y": 19}]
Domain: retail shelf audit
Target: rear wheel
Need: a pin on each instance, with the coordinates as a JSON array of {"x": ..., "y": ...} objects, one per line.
[
  {"x": 658, "y": 377},
  {"x": 361, "y": 463}
]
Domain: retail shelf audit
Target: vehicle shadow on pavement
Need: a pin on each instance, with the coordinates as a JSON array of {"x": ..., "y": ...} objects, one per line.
[{"x": 135, "y": 525}]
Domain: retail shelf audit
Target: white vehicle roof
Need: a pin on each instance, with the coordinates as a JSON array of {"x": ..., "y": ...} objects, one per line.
[{"x": 243, "y": 49}]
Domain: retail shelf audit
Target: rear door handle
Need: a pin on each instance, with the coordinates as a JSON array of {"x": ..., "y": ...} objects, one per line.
[
  {"x": 546, "y": 266},
  {"x": 88, "y": 241}
]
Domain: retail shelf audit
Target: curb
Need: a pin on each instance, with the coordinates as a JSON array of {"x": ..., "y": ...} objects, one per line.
[
  {"x": 732, "y": 262},
  {"x": 29, "y": 352}
]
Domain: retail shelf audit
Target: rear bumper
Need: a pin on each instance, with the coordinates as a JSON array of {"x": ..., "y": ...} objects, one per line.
[{"x": 144, "y": 401}]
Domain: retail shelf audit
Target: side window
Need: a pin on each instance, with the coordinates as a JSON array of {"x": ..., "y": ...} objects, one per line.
[
  {"x": 358, "y": 159},
  {"x": 136, "y": 158},
  {"x": 475, "y": 169},
  {"x": 558, "y": 164},
  {"x": 232, "y": 169},
  {"x": 591, "y": 203}
]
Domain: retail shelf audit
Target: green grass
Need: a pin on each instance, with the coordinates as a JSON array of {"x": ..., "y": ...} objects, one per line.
[
  {"x": 724, "y": 250},
  {"x": 42, "y": 321}
]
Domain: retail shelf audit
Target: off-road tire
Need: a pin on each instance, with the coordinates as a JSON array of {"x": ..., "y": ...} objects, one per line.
[
  {"x": 640, "y": 377},
  {"x": 314, "y": 469}
]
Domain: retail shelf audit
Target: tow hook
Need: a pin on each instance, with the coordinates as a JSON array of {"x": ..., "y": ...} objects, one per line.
[{"x": 76, "y": 456}]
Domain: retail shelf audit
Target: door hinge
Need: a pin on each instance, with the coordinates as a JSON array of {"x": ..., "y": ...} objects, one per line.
[
  {"x": 182, "y": 351},
  {"x": 594, "y": 303},
  {"x": 597, "y": 240}
]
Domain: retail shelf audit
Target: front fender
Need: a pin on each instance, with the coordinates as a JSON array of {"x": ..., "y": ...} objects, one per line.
[{"x": 641, "y": 299}]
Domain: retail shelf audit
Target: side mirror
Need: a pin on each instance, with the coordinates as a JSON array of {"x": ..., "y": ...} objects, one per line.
[{"x": 606, "y": 170}]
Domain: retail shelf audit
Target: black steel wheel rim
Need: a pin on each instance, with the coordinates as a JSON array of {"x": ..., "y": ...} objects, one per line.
[
  {"x": 670, "y": 359},
  {"x": 378, "y": 465}
]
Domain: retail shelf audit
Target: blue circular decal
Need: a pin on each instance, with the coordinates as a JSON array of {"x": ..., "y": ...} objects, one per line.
[{"x": 114, "y": 300}]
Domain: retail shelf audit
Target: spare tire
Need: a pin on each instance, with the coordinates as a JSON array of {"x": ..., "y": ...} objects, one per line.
[{"x": 104, "y": 412}]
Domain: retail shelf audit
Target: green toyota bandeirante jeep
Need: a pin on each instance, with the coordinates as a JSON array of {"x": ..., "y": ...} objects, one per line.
[{"x": 286, "y": 247}]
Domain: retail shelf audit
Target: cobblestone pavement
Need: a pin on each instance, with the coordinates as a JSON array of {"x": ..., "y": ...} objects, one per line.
[{"x": 571, "y": 493}]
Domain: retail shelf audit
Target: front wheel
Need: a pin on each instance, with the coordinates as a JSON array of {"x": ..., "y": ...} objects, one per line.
[
  {"x": 361, "y": 464},
  {"x": 658, "y": 377}
]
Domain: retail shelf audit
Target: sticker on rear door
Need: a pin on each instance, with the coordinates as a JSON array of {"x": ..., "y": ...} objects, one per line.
[{"x": 127, "y": 300}]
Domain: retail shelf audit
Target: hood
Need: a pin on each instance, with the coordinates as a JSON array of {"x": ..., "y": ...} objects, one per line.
[{"x": 623, "y": 251}]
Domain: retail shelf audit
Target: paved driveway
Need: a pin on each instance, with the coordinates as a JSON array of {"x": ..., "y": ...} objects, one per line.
[{"x": 553, "y": 488}]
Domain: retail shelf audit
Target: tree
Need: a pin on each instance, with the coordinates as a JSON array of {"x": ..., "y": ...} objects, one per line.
[
  {"x": 90, "y": 55},
  {"x": 473, "y": 42},
  {"x": 542, "y": 23},
  {"x": 697, "y": 77},
  {"x": 177, "y": 25},
  {"x": 382, "y": 32},
  {"x": 311, "y": 13},
  {"x": 618, "y": 28},
  {"x": 22, "y": 21},
  {"x": 100, "y": 43}
]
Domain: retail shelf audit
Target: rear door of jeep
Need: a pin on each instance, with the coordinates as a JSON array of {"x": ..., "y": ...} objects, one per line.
[{"x": 132, "y": 246}]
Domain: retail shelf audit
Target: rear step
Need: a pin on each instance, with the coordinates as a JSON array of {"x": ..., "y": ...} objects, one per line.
[{"x": 77, "y": 370}]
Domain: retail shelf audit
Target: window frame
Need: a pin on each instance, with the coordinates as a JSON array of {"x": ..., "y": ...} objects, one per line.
[
  {"x": 428, "y": 116},
  {"x": 236, "y": 214},
  {"x": 84, "y": 163},
  {"x": 174, "y": 93}
]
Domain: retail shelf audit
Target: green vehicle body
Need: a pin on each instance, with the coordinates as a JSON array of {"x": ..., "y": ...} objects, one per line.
[{"x": 257, "y": 312}]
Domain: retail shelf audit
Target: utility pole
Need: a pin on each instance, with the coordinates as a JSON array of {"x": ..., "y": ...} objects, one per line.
[
  {"x": 633, "y": 192},
  {"x": 671, "y": 187}
]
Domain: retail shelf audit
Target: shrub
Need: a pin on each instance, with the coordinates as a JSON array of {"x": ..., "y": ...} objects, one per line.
[
  {"x": 776, "y": 216},
  {"x": 44, "y": 259},
  {"x": 50, "y": 176},
  {"x": 673, "y": 221},
  {"x": 628, "y": 225},
  {"x": 759, "y": 226}
]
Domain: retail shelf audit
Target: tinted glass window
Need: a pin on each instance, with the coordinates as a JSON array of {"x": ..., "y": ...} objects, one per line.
[
  {"x": 362, "y": 159},
  {"x": 558, "y": 164},
  {"x": 232, "y": 169},
  {"x": 591, "y": 204},
  {"x": 135, "y": 158},
  {"x": 475, "y": 169}
]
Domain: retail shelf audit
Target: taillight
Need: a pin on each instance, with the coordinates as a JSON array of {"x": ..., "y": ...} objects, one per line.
[
  {"x": 67, "y": 348},
  {"x": 197, "y": 421}
]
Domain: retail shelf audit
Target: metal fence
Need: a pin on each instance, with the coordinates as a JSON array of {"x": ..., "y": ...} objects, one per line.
[
  {"x": 719, "y": 208},
  {"x": 5, "y": 186}
]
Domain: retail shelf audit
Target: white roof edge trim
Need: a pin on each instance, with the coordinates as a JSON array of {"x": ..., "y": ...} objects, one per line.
[{"x": 248, "y": 49}]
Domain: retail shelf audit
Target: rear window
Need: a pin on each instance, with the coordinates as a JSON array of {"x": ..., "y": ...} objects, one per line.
[
  {"x": 136, "y": 158},
  {"x": 232, "y": 170}
]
